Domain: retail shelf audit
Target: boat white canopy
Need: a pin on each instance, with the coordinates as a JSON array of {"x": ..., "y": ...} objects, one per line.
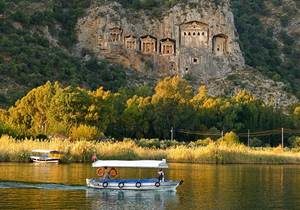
[
  {"x": 45, "y": 151},
  {"x": 131, "y": 163}
]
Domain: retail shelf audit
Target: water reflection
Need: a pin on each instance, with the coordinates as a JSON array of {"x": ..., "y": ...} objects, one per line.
[{"x": 130, "y": 199}]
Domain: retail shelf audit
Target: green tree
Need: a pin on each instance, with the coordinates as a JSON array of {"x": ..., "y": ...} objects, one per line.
[
  {"x": 101, "y": 111},
  {"x": 137, "y": 117},
  {"x": 69, "y": 106},
  {"x": 2, "y": 6}
]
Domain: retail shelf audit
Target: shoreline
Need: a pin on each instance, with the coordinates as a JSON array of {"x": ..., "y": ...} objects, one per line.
[
  {"x": 169, "y": 162},
  {"x": 12, "y": 150}
]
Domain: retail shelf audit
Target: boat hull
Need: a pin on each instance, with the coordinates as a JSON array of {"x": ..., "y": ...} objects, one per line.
[
  {"x": 45, "y": 161},
  {"x": 37, "y": 159},
  {"x": 132, "y": 184}
]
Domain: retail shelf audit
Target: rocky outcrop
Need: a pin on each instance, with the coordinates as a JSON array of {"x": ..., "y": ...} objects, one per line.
[
  {"x": 272, "y": 93},
  {"x": 196, "y": 38}
]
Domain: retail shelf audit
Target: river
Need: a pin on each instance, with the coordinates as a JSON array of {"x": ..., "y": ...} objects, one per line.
[{"x": 47, "y": 186}]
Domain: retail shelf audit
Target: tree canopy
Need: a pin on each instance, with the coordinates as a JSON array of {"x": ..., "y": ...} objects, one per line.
[{"x": 52, "y": 109}]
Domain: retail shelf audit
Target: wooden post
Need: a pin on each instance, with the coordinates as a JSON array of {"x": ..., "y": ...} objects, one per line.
[
  {"x": 282, "y": 138},
  {"x": 248, "y": 138}
]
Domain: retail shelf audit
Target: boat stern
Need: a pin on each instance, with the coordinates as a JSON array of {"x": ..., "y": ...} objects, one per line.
[{"x": 88, "y": 182}]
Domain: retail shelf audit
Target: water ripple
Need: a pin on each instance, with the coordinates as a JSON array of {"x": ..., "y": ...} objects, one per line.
[{"x": 37, "y": 185}]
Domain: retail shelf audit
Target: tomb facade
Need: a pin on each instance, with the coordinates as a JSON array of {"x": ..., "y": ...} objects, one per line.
[
  {"x": 219, "y": 44},
  {"x": 148, "y": 44},
  {"x": 130, "y": 42},
  {"x": 194, "y": 34},
  {"x": 102, "y": 44},
  {"x": 115, "y": 34},
  {"x": 167, "y": 46}
]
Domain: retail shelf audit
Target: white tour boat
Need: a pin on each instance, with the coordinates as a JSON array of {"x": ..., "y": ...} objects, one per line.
[
  {"x": 45, "y": 156},
  {"x": 130, "y": 184}
]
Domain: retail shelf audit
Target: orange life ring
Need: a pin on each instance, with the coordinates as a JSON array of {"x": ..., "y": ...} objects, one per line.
[
  {"x": 100, "y": 171},
  {"x": 113, "y": 172}
]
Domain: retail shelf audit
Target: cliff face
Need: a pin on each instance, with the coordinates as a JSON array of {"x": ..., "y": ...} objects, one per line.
[{"x": 197, "y": 38}]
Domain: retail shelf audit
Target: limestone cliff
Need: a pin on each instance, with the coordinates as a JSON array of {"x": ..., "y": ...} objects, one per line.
[{"x": 195, "y": 38}]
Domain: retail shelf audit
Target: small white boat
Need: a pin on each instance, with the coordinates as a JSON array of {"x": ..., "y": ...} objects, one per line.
[
  {"x": 45, "y": 156},
  {"x": 131, "y": 184}
]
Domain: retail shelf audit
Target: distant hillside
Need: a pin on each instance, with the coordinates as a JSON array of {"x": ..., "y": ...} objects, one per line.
[
  {"x": 270, "y": 38},
  {"x": 37, "y": 40}
]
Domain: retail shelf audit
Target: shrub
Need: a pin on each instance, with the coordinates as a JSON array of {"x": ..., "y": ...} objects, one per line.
[
  {"x": 277, "y": 2},
  {"x": 2, "y": 6},
  {"x": 204, "y": 142},
  {"x": 58, "y": 128},
  {"x": 255, "y": 142},
  {"x": 230, "y": 138},
  {"x": 83, "y": 132},
  {"x": 297, "y": 112},
  {"x": 149, "y": 143},
  {"x": 7, "y": 129},
  {"x": 294, "y": 141},
  {"x": 169, "y": 143},
  {"x": 20, "y": 17},
  {"x": 157, "y": 144},
  {"x": 41, "y": 136},
  {"x": 284, "y": 20}
]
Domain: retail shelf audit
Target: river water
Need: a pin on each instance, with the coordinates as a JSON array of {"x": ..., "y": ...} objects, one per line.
[{"x": 47, "y": 186}]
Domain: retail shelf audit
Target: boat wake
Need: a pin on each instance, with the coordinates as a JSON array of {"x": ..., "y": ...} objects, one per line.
[{"x": 37, "y": 185}]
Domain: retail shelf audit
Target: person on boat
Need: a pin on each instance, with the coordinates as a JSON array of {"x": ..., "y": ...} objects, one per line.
[
  {"x": 94, "y": 157},
  {"x": 106, "y": 173},
  {"x": 161, "y": 175}
]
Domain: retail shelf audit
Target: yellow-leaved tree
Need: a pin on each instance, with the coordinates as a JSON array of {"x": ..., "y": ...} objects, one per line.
[
  {"x": 29, "y": 114},
  {"x": 230, "y": 138},
  {"x": 84, "y": 132},
  {"x": 171, "y": 105},
  {"x": 173, "y": 88},
  {"x": 243, "y": 96},
  {"x": 297, "y": 112}
]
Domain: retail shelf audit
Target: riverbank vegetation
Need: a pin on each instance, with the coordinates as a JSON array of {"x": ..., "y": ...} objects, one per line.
[
  {"x": 80, "y": 114},
  {"x": 203, "y": 151}
]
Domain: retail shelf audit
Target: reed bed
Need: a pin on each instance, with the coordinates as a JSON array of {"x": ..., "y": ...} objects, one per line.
[{"x": 82, "y": 151}]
